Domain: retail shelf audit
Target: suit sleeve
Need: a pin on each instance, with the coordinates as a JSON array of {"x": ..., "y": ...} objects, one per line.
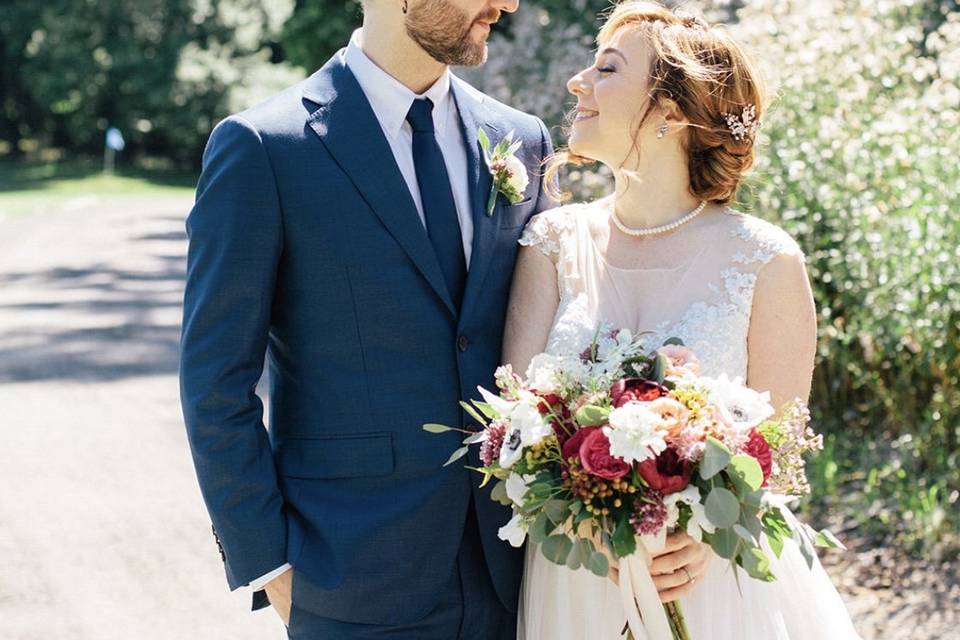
[
  {"x": 235, "y": 243},
  {"x": 544, "y": 199}
]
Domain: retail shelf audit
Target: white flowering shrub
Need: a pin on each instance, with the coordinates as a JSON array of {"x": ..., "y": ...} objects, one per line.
[{"x": 860, "y": 161}]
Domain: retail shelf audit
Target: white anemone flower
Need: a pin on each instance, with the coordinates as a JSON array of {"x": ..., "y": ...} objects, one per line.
[{"x": 514, "y": 532}]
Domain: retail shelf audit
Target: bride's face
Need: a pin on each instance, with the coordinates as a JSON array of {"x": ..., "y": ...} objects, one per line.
[{"x": 611, "y": 99}]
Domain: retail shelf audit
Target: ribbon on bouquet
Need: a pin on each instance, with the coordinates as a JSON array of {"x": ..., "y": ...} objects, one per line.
[{"x": 641, "y": 601}]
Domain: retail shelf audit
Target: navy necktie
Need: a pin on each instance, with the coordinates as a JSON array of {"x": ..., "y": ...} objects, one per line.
[{"x": 439, "y": 207}]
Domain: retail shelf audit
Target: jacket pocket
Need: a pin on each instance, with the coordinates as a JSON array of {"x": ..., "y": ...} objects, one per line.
[{"x": 330, "y": 457}]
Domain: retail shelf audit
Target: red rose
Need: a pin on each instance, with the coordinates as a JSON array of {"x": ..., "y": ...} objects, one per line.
[
  {"x": 547, "y": 400},
  {"x": 635, "y": 389},
  {"x": 759, "y": 448},
  {"x": 571, "y": 448},
  {"x": 596, "y": 458},
  {"x": 667, "y": 473}
]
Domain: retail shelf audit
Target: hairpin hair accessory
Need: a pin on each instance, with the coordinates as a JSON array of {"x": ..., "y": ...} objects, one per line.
[{"x": 745, "y": 125}]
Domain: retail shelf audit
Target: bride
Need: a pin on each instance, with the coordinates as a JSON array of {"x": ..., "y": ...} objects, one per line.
[{"x": 671, "y": 106}]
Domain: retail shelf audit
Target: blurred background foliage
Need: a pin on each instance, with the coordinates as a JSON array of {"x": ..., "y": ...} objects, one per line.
[{"x": 858, "y": 161}]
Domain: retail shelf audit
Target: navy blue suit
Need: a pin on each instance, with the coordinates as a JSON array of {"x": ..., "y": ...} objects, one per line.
[{"x": 306, "y": 246}]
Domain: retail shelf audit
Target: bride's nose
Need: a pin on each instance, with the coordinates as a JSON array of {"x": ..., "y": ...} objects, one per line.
[{"x": 578, "y": 85}]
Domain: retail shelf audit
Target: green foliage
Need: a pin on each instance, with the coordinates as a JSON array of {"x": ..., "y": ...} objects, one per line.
[
  {"x": 164, "y": 72},
  {"x": 318, "y": 29}
]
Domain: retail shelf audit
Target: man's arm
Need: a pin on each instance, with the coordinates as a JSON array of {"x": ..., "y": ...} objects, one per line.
[{"x": 235, "y": 232}]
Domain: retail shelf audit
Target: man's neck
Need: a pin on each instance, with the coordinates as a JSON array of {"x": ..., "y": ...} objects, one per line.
[{"x": 390, "y": 48}]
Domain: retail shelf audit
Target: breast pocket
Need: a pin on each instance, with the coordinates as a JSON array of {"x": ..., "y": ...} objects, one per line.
[{"x": 516, "y": 215}]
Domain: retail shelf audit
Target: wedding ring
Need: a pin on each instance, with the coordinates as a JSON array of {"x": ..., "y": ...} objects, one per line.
[{"x": 690, "y": 578}]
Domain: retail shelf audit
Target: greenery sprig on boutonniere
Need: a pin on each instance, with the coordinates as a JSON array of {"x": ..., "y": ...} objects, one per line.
[{"x": 509, "y": 174}]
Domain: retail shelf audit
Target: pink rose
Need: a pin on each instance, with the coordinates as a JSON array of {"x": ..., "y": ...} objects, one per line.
[
  {"x": 667, "y": 473},
  {"x": 681, "y": 360},
  {"x": 596, "y": 458},
  {"x": 673, "y": 414},
  {"x": 635, "y": 390}
]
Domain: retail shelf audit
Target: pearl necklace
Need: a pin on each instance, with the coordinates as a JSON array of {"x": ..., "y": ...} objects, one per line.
[{"x": 660, "y": 229}]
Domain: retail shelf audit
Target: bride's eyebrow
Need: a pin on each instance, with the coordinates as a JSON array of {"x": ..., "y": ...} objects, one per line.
[{"x": 612, "y": 51}]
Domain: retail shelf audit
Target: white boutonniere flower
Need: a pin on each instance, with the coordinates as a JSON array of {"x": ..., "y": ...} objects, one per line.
[{"x": 509, "y": 174}]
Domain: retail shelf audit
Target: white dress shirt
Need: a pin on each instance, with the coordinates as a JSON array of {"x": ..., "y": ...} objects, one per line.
[{"x": 391, "y": 101}]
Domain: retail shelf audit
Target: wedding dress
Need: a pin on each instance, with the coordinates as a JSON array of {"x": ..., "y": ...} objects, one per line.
[{"x": 705, "y": 300}]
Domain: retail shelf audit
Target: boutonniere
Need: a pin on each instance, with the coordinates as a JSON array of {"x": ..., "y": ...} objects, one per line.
[{"x": 509, "y": 174}]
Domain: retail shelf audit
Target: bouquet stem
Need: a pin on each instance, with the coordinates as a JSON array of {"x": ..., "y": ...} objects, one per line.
[{"x": 678, "y": 625}]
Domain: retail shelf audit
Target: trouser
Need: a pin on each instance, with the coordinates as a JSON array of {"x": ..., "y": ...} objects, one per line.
[{"x": 469, "y": 608}]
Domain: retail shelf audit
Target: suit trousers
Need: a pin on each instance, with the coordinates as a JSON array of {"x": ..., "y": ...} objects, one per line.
[{"x": 469, "y": 609}]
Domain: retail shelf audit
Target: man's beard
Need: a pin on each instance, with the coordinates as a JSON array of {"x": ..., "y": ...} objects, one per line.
[{"x": 443, "y": 31}]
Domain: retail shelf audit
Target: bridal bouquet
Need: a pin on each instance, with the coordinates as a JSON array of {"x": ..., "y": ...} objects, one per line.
[{"x": 618, "y": 446}]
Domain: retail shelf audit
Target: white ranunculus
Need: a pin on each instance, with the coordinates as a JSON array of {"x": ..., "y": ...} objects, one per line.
[
  {"x": 517, "y": 486},
  {"x": 542, "y": 373},
  {"x": 518, "y": 174},
  {"x": 514, "y": 532},
  {"x": 698, "y": 522},
  {"x": 635, "y": 433},
  {"x": 741, "y": 407}
]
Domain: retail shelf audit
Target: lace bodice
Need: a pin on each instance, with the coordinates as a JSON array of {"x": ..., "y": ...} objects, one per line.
[{"x": 705, "y": 301}]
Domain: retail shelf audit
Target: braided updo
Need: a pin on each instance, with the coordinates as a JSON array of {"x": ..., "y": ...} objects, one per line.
[{"x": 703, "y": 70}]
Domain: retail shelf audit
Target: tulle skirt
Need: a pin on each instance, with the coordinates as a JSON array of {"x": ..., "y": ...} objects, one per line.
[{"x": 802, "y": 604}]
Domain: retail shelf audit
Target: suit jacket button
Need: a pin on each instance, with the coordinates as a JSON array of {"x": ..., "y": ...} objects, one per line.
[{"x": 462, "y": 343}]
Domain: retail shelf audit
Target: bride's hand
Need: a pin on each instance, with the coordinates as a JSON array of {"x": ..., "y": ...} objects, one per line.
[{"x": 677, "y": 568}]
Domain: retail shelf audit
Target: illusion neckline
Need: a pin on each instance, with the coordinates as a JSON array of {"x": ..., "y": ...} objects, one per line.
[{"x": 610, "y": 266}]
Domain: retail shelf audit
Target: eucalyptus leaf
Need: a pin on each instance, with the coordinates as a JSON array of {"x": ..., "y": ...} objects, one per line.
[
  {"x": 673, "y": 341},
  {"x": 744, "y": 534},
  {"x": 725, "y": 543},
  {"x": 483, "y": 139},
  {"x": 745, "y": 469},
  {"x": 499, "y": 493},
  {"x": 436, "y": 428},
  {"x": 485, "y": 409},
  {"x": 556, "y": 510},
  {"x": 757, "y": 565},
  {"x": 624, "y": 537},
  {"x": 473, "y": 413},
  {"x": 479, "y": 436},
  {"x": 599, "y": 564},
  {"x": 826, "y": 539},
  {"x": 660, "y": 365},
  {"x": 556, "y": 548},
  {"x": 540, "y": 528},
  {"x": 456, "y": 455},
  {"x": 722, "y": 508},
  {"x": 716, "y": 457},
  {"x": 775, "y": 541}
]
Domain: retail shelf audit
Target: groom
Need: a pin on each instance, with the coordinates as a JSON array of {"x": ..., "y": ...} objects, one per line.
[{"x": 341, "y": 228}]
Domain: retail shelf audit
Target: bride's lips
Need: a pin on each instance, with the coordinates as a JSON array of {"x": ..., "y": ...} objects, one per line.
[{"x": 585, "y": 114}]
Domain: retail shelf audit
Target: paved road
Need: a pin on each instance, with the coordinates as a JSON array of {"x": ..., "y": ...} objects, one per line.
[{"x": 103, "y": 533}]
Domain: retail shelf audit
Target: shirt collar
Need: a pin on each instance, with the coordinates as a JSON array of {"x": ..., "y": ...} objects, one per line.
[{"x": 388, "y": 97}]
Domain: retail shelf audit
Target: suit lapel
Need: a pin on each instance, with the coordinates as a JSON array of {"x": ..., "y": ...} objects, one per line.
[
  {"x": 350, "y": 131},
  {"x": 473, "y": 115}
]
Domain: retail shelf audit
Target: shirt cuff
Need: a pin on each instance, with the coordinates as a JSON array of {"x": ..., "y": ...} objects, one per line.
[{"x": 262, "y": 581}]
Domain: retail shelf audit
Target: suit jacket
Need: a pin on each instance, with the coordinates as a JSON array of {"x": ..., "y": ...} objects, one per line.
[{"x": 306, "y": 246}]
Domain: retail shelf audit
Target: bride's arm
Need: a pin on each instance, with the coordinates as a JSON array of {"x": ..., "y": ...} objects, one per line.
[
  {"x": 782, "y": 341},
  {"x": 534, "y": 297}
]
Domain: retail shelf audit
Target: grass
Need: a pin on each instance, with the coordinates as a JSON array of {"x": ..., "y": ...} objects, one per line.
[{"x": 35, "y": 188}]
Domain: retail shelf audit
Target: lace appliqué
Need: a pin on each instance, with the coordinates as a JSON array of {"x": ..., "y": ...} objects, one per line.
[{"x": 548, "y": 231}]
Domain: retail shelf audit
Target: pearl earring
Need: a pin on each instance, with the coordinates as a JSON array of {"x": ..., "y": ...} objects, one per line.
[{"x": 661, "y": 131}]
